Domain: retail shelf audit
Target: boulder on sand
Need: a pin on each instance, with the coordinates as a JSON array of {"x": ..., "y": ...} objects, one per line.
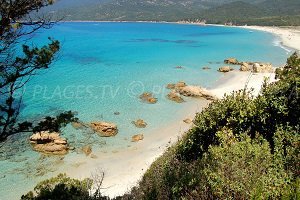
[
  {"x": 49, "y": 143},
  {"x": 173, "y": 96},
  {"x": 231, "y": 61},
  {"x": 196, "y": 91},
  {"x": 189, "y": 91},
  {"x": 148, "y": 98},
  {"x": 104, "y": 129},
  {"x": 225, "y": 69},
  {"x": 245, "y": 67},
  {"x": 140, "y": 123},
  {"x": 262, "y": 68}
]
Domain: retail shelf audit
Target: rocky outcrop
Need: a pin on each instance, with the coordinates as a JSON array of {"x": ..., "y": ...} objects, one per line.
[
  {"x": 181, "y": 88},
  {"x": 196, "y": 91},
  {"x": 225, "y": 69},
  {"x": 245, "y": 67},
  {"x": 170, "y": 86},
  {"x": 137, "y": 138},
  {"x": 173, "y": 96},
  {"x": 104, "y": 129},
  {"x": 140, "y": 123},
  {"x": 87, "y": 150},
  {"x": 49, "y": 143},
  {"x": 256, "y": 67},
  {"x": 231, "y": 61},
  {"x": 180, "y": 84},
  {"x": 262, "y": 68},
  {"x": 148, "y": 98}
]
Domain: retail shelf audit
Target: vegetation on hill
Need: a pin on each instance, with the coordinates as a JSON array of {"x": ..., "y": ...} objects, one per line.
[
  {"x": 257, "y": 12},
  {"x": 240, "y": 147}
]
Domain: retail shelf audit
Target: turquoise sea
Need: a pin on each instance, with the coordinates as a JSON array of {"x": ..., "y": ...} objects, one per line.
[{"x": 103, "y": 68}]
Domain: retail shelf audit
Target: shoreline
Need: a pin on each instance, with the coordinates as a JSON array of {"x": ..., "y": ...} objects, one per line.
[
  {"x": 289, "y": 36},
  {"x": 124, "y": 169}
]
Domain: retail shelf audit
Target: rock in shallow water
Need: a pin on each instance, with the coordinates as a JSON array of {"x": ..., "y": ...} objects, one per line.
[
  {"x": 49, "y": 143},
  {"x": 104, "y": 129},
  {"x": 148, "y": 98},
  {"x": 173, "y": 96},
  {"x": 225, "y": 69},
  {"x": 87, "y": 150},
  {"x": 231, "y": 61},
  {"x": 140, "y": 123},
  {"x": 137, "y": 138}
]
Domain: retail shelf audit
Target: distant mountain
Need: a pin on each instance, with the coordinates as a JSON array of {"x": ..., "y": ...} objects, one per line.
[{"x": 266, "y": 12}]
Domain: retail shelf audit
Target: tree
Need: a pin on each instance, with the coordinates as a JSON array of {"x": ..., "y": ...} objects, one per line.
[{"x": 17, "y": 66}]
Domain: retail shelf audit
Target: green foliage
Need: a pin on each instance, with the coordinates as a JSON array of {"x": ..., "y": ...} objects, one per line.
[
  {"x": 60, "y": 188},
  {"x": 241, "y": 12},
  {"x": 54, "y": 124},
  {"x": 243, "y": 168},
  {"x": 277, "y": 105},
  {"x": 241, "y": 147},
  {"x": 235, "y": 111}
]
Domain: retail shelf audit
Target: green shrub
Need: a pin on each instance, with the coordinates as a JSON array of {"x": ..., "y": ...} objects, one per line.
[
  {"x": 243, "y": 168},
  {"x": 277, "y": 105},
  {"x": 60, "y": 188}
]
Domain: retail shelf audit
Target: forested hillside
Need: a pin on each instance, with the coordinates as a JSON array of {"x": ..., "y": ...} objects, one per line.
[{"x": 258, "y": 12}]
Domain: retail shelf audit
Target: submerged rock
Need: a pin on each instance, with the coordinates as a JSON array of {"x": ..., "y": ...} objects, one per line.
[
  {"x": 94, "y": 156},
  {"x": 49, "y": 143},
  {"x": 87, "y": 150},
  {"x": 206, "y": 68},
  {"x": 225, "y": 69},
  {"x": 140, "y": 123},
  {"x": 170, "y": 86},
  {"x": 78, "y": 125},
  {"x": 231, "y": 61},
  {"x": 148, "y": 98},
  {"x": 173, "y": 96},
  {"x": 137, "y": 138},
  {"x": 104, "y": 129},
  {"x": 117, "y": 113}
]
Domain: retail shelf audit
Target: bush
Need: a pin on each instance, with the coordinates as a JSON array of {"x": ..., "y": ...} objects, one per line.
[
  {"x": 243, "y": 168},
  {"x": 60, "y": 188}
]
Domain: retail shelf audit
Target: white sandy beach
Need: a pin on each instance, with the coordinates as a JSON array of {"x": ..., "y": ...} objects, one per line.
[
  {"x": 123, "y": 169},
  {"x": 289, "y": 36}
]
